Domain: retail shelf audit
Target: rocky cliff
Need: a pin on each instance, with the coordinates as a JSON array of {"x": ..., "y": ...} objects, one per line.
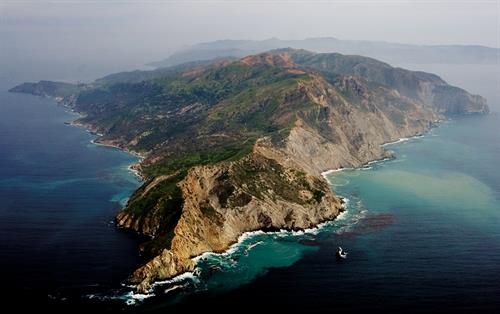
[
  {"x": 239, "y": 146},
  {"x": 223, "y": 201}
]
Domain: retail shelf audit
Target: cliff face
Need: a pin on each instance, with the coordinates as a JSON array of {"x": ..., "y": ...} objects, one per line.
[
  {"x": 452, "y": 100},
  {"x": 223, "y": 201},
  {"x": 240, "y": 146},
  {"x": 425, "y": 88},
  {"x": 350, "y": 124}
]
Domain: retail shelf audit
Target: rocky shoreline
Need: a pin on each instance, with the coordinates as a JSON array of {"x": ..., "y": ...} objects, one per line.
[
  {"x": 134, "y": 168},
  {"x": 166, "y": 259},
  {"x": 168, "y": 265}
]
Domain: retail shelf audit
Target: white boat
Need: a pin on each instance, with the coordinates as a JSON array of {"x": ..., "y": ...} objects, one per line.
[{"x": 341, "y": 253}]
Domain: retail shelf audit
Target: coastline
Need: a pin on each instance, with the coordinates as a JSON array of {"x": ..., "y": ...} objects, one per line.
[
  {"x": 244, "y": 236},
  {"x": 134, "y": 167},
  {"x": 96, "y": 142},
  {"x": 402, "y": 139},
  {"x": 133, "y": 296},
  {"x": 366, "y": 166},
  {"x": 232, "y": 248},
  {"x": 249, "y": 234},
  {"x": 66, "y": 104}
]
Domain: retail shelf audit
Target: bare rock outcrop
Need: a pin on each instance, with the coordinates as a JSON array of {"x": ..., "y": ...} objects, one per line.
[{"x": 223, "y": 201}]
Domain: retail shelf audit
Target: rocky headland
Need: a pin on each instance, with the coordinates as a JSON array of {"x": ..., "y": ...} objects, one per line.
[{"x": 239, "y": 145}]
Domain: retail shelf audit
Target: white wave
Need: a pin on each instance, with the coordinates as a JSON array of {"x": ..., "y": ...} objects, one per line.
[
  {"x": 251, "y": 246},
  {"x": 99, "y": 297},
  {"x": 134, "y": 171},
  {"x": 173, "y": 288},
  {"x": 233, "y": 248},
  {"x": 325, "y": 173},
  {"x": 377, "y": 161},
  {"x": 132, "y": 298},
  {"x": 366, "y": 166},
  {"x": 242, "y": 242},
  {"x": 351, "y": 222},
  {"x": 251, "y": 234},
  {"x": 346, "y": 202},
  {"x": 184, "y": 276},
  {"x": 342, "y": 215},
  {"x": 403, "y": 139}
]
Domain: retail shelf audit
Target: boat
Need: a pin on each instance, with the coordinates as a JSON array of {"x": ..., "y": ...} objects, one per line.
[{"x": 341, "y": 253}]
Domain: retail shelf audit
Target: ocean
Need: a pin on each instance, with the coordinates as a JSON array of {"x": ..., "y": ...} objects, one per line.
[
  {"x": 421, "y": 230},
  {"x": 58, "y": 197}
]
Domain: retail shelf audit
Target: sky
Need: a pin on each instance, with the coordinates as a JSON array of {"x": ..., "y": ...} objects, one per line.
[{"x": 82, "y": 40}]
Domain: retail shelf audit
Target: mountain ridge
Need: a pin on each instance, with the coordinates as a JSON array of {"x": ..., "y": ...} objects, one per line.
[{"x": 387, "y": 51}]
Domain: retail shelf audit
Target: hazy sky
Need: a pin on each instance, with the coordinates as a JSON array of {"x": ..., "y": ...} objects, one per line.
[{"x": 97, "y": 37}]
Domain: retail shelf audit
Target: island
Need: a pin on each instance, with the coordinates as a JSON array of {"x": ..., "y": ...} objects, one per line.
[{"x": 231, "y": 145}]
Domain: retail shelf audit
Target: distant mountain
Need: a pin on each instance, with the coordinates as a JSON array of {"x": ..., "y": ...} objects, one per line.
[
  {"x": 239, "y": 145},
  {"x": 48, "y": 89},
  {"x": 393, "y": 53}
]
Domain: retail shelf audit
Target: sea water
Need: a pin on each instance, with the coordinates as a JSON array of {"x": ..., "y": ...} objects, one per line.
[{"x": 58, "y": 197}]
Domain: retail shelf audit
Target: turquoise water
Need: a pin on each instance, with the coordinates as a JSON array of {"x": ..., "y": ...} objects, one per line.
[{"x": 422, "y": 232}]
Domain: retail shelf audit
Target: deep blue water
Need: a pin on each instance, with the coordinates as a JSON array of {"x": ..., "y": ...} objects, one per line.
[
  {"x": 422, "y": 230},
  {"x": 58, "y": 196}
]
